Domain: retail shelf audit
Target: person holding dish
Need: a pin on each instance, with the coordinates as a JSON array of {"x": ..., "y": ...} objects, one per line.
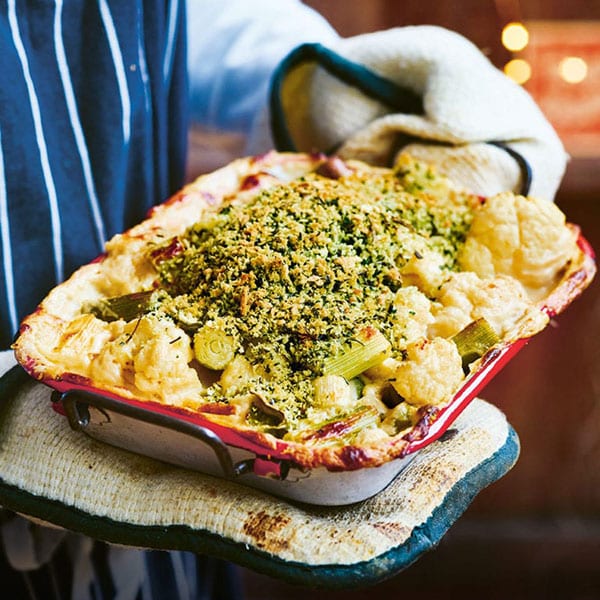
[{"x": 93, "y": 132}]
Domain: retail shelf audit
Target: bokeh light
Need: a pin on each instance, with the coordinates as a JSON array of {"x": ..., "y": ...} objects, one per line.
[
  {"x": 518, "y": 70},
  {"x": 515, "y": 37},
  {"x": 573, "y": 69}
]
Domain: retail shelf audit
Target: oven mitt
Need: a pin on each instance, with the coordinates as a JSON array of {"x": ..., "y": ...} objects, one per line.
[
  {"x": 422, "y": 89},
  {"x": 55, "y": 475}
]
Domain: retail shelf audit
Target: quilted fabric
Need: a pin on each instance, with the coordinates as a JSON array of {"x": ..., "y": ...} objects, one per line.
[
  {"x": 451, "y": 107},
  {"x": 65, "y": 478}
]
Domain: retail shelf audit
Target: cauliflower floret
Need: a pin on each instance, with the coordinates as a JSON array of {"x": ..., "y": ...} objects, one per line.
[
  {"x": 412, "y": 316},
  {"x": 114, "y": 362},
  {"x": 426, "y": 270},
  {"x": 431, "y": 373},
  {"x": 546, "y": 243},
  {"x": 523, "y": 237},
  {"x": 333, "y": 395},
  {"x": 126, "y": 268},
  {"x": 163, "y": 360},
  {"x": 81, "y": 341},
  {"x": 333, "y": 391},
  {"x": 236, "y": 374},
  {"x": 157, "y": 354},
  {"x": 465, "y": 297}
]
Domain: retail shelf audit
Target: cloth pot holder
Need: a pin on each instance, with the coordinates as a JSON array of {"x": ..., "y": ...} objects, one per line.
[
  {"x": 422, "y": 89},
  {"x": 67, "y": 479}
]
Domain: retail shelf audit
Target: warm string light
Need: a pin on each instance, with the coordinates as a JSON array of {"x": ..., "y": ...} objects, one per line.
[
  {"x": 573, "y": 69},
  {"x": 515, "y": 38},
  {"x": 518, "y": 70}
]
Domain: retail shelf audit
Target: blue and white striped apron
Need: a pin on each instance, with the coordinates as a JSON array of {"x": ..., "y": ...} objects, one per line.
[{"x": 93, "y": 122}]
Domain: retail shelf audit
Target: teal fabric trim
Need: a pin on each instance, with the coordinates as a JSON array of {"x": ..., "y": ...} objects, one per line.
[
  {"x": 11, "y": 380},
  {"x": 9, "y": 383},
  {"x": 375, "y": 86},
  {"x": 179, "y": 537},
  {"x": 524, "y": 166}
]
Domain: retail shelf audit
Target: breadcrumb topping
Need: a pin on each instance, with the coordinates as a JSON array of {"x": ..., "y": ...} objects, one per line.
[{"x": 302, "y": 267}]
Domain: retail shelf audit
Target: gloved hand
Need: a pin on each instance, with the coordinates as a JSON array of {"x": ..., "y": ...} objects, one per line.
[{"x": 422, "y": 89}]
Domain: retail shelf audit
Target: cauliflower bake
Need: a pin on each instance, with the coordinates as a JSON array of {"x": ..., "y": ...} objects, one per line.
[{"x": 329, "y": 305}]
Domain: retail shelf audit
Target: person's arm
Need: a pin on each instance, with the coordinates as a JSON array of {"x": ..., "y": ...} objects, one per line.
[
  {"x": 233, "y": 48},
  {"x": 7, "y": 361}
]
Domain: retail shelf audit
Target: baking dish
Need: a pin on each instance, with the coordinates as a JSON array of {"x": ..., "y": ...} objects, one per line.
[
  {"x": 190, "y": 440},
  {"x": 167, "y": 415}
]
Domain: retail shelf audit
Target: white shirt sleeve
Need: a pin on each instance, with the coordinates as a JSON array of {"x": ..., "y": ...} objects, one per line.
[
  {"x": 233, "y": 48},
  {"x": 7, "y": 360}
]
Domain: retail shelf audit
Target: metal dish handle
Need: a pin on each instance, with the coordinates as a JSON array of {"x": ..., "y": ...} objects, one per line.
[{"x": 76, "y": 405}]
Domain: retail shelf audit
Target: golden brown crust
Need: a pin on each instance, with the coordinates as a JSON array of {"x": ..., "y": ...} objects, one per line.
[{"x": 125, "y": 268}]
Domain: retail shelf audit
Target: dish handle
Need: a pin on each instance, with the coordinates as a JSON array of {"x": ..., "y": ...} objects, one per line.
[{"x": 76, "y": 405}]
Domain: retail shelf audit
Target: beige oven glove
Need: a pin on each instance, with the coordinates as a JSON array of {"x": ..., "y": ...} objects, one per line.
[
  {"x": 422, "y": 89},
  {"x": 52, "y": 473}
]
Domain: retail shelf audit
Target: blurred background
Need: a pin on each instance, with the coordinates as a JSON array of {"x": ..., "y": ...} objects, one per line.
[{"x": 536, "y": 532}]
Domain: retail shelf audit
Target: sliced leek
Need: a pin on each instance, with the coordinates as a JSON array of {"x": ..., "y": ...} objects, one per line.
[
  {"x": 127, "y": 307},
  {"x": 475, "y": 340},
  {"x": 214, "y": 348},
  {"x": 267, "y": 412},
  {"x": 341, "y": 430},
  {"x": 331, "y": 390},
  {"x": 368, "y": 349}
]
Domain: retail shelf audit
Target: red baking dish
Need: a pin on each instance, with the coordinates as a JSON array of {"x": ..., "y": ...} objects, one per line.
[
  {"x": 191, "y": 440},
  {"x": 149, "y": 423}
]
